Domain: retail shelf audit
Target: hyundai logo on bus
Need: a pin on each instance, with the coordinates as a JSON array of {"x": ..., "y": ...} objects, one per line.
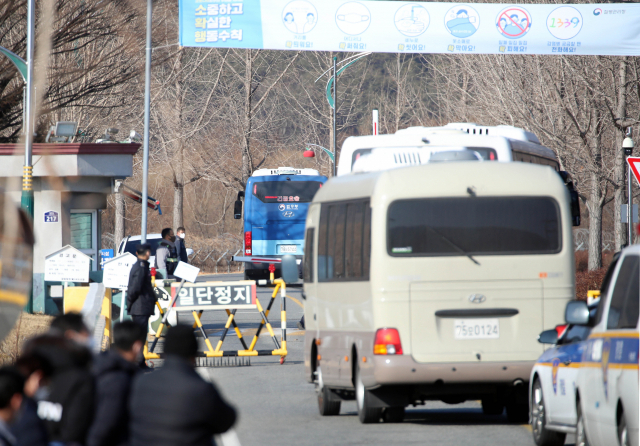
[{"x": 477, "y": 298}]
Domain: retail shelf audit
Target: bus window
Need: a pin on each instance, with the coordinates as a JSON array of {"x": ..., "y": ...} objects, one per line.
[
  {"x": 339, "y": 225},
  {"x": 285, "y": 191},
  {"x": 481, "y": 226},
  {"x": 322, "y": 243},
  {"x": 308, "y": 256},
  {"x": 358, "y": 153},
  {"x": 355, "y": 221},
  {"x": 366, "y": 245},
  {"x": 486, "y": 153}
]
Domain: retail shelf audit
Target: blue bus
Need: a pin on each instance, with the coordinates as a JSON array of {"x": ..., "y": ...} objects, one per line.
[{"x": 275, "y": 211}]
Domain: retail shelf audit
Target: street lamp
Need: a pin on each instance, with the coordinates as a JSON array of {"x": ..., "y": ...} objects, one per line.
[{"x": 627, "y": 146}]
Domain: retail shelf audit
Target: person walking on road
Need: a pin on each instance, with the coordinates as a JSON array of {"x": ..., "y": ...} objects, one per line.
[
  {"x": 114, "y": 371},
  {"x": 174, "y": 406},
  {"x": 180, "y": 246},
  {"x": 141, "y": 298},
  {"x": 166, "y": 254},
  {"x": 11, "y": 388}
]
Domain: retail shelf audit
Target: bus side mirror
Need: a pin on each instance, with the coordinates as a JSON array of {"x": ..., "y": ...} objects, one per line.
[
  {"x": 237, "y": 210},
  {"x": 289, "y": 269},
  {"x": 575, "y": 207}
]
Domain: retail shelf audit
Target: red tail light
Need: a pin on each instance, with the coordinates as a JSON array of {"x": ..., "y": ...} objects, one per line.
[
  {"x": 247, "y": 243},
  {"x": 387, "y": 342}
]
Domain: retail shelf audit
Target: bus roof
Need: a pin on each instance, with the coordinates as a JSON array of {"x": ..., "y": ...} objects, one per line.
[
  {"x": 285, "y": 171},
  {"x": 452, "y": 179}
]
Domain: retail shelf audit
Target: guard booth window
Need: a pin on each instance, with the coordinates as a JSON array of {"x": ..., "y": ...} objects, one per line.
[
  {"x": 344, "y": 241},
  {"x": 623, "y": 312},
  {"x": 83, "y": 233}
]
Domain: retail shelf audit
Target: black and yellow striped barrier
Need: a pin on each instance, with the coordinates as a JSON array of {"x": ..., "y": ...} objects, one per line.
[{"x": 217, "y": 352}]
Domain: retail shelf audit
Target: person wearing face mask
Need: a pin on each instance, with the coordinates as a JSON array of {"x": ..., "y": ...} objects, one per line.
[
  {"x": 180, "y": 246},
  {"x": 141, "y": 297},
  {"x": 166, "y": 254},
  {"x": 114, "y": 371}
]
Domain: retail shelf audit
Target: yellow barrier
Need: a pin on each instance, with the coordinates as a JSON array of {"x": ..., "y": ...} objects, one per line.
[{"x": 280, "y": 350}]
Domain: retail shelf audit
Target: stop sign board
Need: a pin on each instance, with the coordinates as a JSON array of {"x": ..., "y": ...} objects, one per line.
[{"x": 634, "y": 164}]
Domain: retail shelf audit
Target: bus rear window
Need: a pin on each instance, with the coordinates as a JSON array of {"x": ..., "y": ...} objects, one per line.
[
  {"x": 286, "y": 191},
  {"x": 486, "y": 153},
  {"x": 474, "y": 225}
]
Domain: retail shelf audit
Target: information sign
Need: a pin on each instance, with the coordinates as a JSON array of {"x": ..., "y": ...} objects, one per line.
[
  {"x": 215, "y": 295},
  {"x": 105, "y": 254},
  {"x": 67, "y": 265},
  {"x": 416, "y": 27},
  {"x": 186, "y": 272},
  {"x": 116, "y": 271}
]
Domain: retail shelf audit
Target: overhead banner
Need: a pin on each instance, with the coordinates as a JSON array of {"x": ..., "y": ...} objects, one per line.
[{"x": 417, "y": 27}]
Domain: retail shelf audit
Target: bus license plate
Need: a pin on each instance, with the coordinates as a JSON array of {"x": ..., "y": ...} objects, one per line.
[
  {"x": 288, "y": 249},
  {"x": 476, "y": 329}
]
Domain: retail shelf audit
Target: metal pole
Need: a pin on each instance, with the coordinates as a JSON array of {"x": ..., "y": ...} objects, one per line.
[
  {"x": 629, "y": 206},
  {"x": 26, "y": 200},
  {"x": 27, "y": 189},
  {"x": 335, "y": 111},
  {"x": 147, "y": 105}
]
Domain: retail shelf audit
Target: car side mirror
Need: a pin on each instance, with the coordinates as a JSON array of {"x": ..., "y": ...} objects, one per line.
[
  {"x": 237, "y": 210},
  {"x": 548, "y": 337},
  {"x": 289, "y": 269},
  {"x": 577, "y": 313}
]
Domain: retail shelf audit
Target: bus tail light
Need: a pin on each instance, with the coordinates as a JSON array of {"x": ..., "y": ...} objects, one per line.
[
  {"x": 387, "y": 342},
  {"x": 247, "y": 243}
]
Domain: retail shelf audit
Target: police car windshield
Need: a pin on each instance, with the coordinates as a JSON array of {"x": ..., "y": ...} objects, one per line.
[{"x": 286, "y": 191}]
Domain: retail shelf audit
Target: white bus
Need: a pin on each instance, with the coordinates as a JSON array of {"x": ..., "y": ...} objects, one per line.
[
  {"x": 433, "y": 282},
  {"x": 415, "y": 145}
]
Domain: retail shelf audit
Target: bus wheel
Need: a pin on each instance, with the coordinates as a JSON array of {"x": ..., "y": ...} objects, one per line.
[
  {"x": 393, "y": 414},
  {"x": 326, "y": 404},
  {"x": 366, "y": 413}
]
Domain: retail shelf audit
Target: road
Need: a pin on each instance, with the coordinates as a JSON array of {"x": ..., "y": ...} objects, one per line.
[{"x": 278, "y": 407}]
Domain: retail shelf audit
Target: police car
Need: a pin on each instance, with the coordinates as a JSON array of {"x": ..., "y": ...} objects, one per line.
[
  {"x": 606, "y": 394},
  {"x": 552, "y": 384}
]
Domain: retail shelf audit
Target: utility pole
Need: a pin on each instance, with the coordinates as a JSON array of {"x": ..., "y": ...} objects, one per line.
[
  {"x": 335, "y": 113},
  {"x": 628, "y": 146},
  {"x": 147, "y": 105}
]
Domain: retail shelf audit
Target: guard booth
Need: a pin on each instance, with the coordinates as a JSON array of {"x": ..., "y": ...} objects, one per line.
[{"x": 71, "y": 183}]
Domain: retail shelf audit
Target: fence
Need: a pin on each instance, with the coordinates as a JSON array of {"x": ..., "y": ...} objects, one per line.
[{"x": 581, "y": 240}]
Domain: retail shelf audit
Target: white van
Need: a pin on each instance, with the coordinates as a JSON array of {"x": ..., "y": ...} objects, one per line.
[
  {"x": 606, "y": 393},
  {"x": 432, "y": 283},
  {"x": 414, "y": 145}
]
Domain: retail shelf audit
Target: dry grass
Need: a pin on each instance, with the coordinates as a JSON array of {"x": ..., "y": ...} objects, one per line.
[{"x": 30, "y": 325}]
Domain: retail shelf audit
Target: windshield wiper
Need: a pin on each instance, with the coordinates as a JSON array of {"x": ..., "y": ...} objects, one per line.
[{"x": 456, "y": 247}]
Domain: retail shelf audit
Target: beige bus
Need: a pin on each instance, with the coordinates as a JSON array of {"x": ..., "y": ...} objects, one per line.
[{"x": 432, "y": 283}]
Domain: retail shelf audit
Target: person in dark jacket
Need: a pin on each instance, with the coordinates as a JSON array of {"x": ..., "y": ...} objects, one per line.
[
  {"x": 114, "y": 371},
  {"x": 66, "y": 404},
  {"x": 28, "y": 428},
  {"x": 174, "y": 406},
  {"x": 141, "y": 298},
  {"x": 180, "y": 246},
  {"x": 11, "y": 388},
  {"x": 166, "y": 253}
]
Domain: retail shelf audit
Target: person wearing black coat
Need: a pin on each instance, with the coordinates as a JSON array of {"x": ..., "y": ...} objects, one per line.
[
  {"x": 65, "y": 405},
  {"x": 114, "y": 371},
  {"x": 174, "y": 406},
  {"x": 141, "y": 298}
]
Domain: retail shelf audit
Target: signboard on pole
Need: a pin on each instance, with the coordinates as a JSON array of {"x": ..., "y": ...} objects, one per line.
[
  {"x": 67, "y": 265},
  {"x": 215, "y": 295},
  {"x": 417, "y": 27},
  {"x": 105, "y": 254},
  {"x": 116, "y": 271},
  {"x": 634, "y": 164},
  {"x": 186, "y": 272}
]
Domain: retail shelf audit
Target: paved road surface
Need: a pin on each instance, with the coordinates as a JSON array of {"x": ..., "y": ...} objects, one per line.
[{"x": 278, "y": 407}]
